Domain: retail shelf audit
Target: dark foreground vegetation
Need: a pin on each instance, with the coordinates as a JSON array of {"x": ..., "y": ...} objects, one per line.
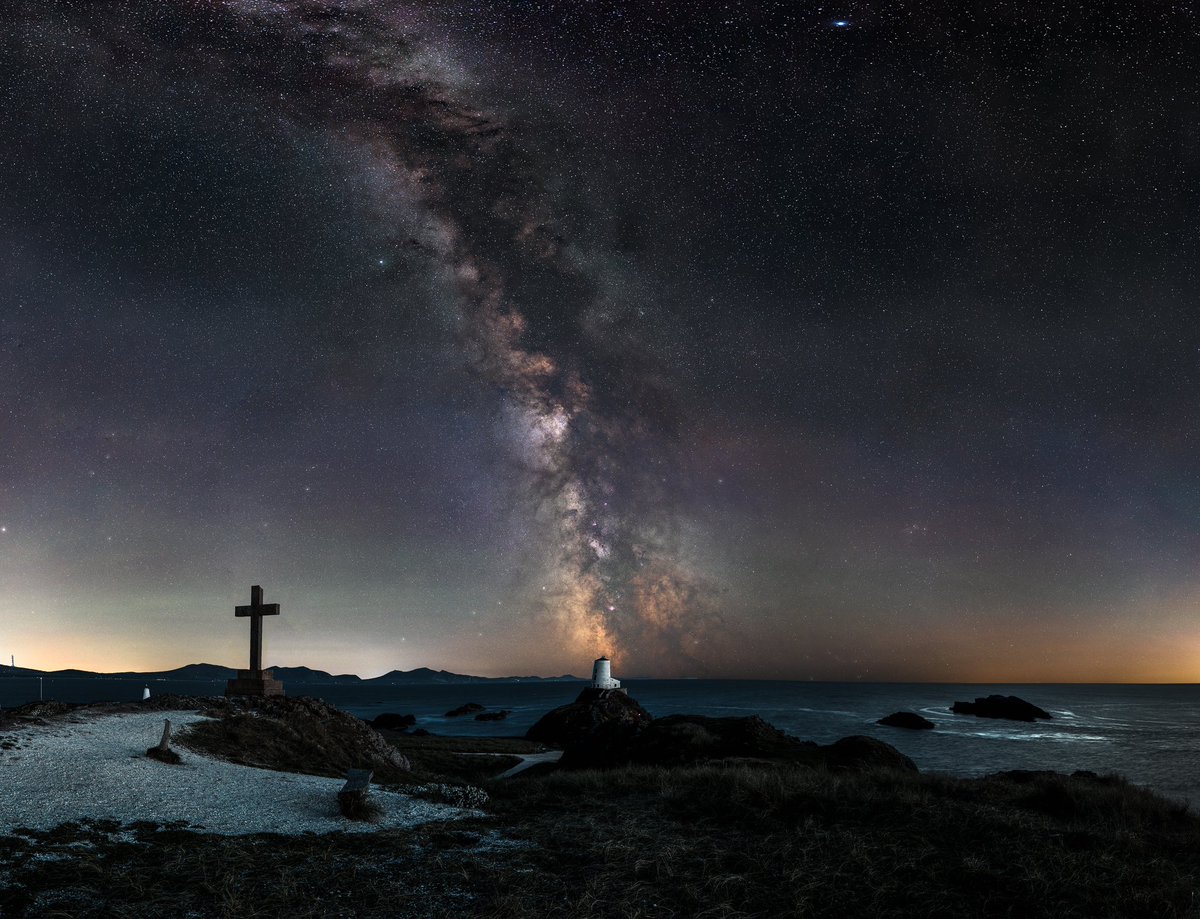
[
  {"x": 707, "y": 841},
  {"x": 731, "y": 838}
]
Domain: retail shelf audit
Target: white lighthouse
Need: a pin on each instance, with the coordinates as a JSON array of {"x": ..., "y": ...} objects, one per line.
[{"x": 602, "y": 677}]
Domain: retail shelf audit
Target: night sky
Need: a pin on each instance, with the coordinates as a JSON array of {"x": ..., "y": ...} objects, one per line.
[{"x": 745, "y": 339}]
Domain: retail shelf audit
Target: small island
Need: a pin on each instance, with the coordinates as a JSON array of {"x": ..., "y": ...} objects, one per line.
[
  {"x": 1009, "y": 708},
  {"x": 910, "y": 720}
]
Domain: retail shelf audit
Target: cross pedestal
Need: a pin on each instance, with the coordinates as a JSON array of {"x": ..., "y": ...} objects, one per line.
[{"x": 255, "y": 681}]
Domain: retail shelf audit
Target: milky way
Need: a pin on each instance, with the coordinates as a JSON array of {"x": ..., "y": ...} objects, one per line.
[{"x": 591, "y": 414}]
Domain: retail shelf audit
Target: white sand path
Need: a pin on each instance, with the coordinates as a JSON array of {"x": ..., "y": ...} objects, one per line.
[
  {"x": 527, "y": 760},
  {"x": 86, "y": 765}
]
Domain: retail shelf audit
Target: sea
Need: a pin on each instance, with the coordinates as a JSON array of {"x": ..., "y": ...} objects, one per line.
[{"x": 1150, "y": 734}]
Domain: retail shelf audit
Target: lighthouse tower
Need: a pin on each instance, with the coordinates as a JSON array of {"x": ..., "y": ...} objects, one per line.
[{"x": 602, "y": 677}]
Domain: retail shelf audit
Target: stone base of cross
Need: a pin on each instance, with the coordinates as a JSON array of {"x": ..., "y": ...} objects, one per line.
[{"x": 255, "y": 681}]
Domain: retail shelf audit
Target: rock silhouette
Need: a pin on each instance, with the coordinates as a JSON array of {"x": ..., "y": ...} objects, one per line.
[
  {"x": 604, "y": 729},
  {"x": 910, "y": 720},
  {"x": 470, "y": 708},
  {"x": 1010, "y": 708}
]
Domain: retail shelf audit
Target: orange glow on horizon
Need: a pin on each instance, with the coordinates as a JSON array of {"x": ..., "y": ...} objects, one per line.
[{"x": 1168, "y": 658}]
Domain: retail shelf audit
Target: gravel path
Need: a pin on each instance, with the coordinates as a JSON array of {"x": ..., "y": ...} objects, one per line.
[
  {"x": 95, "y": 766},
  {"x": 531, "y": 759}
]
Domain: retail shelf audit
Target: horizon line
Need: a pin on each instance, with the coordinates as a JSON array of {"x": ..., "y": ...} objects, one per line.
[{"x": 626, "y": 679}]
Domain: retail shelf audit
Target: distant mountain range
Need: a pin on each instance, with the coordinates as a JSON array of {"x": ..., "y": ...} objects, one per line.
[{"x": 422, "y": 676}]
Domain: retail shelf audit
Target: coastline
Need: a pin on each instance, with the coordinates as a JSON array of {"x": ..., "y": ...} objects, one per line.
[
  {"x": 728, "y": 839},
  {"x": 1142, "y": 732}
]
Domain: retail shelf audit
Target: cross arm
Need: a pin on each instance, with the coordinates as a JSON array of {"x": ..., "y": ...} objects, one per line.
[{"x": 263, "y": 609}]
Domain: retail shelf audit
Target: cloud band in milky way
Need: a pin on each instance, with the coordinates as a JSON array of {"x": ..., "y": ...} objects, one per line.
[{"x": 591, "y": 417}]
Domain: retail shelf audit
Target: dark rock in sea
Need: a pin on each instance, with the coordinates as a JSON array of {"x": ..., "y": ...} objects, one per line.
[
  {"x": 493, "y": 716},
  {"x": 390, "y": 721},
  {"x": 1009, "y": 708},
  {"x": 909, "y": 720},
  {"x": 419, "y": 732},
  {"x": 601, "y": 720},
  {"x": 857, "y": 753},
  {"x": 469, "y": 709}
]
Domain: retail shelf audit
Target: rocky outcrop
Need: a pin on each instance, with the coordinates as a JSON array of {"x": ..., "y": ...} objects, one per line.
[
  {"x": 910, "y": 720},
  {"x": 295, "y": 735},
  {"x": 390, "y": 721},
  {"x": 601, "y": 722},
  {"x": 1009, "y": 708},
  {"x": 603, "y": 729},
  {"x": 470, "y": 708},
  {"x": 682, "y": 739},
  {"x": 859, "y": 753}
]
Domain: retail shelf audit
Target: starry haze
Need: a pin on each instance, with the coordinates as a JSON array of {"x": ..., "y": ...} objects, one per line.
[{"x": 744, "y": 339}]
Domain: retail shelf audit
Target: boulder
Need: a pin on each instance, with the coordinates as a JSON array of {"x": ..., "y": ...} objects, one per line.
[
  {"x": 390, "y": 721},
  {"x": 469, "y": 709},
  {"x": 493, "y": 716},
  {"x": 1009, "y": 708},
  {"x": 910, "y": 720},
  {"x": 615, "y": 715},
  {"x": 858, "y": 753},
  {"x": 680, "y": 739}
]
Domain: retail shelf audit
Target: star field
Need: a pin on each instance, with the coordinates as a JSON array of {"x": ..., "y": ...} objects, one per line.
[{"x": 755, "y": 340}]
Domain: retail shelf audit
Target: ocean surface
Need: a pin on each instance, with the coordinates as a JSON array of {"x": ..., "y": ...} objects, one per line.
[{"x": 1148, "y": 733}]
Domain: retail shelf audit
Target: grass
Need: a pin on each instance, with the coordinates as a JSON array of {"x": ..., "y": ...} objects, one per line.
[
  {"x": 442, "y": 759},
  {"x": 747, "y": 840},
  {"x": 714, "y": 841},
  {"x": 83, "y": 871}
]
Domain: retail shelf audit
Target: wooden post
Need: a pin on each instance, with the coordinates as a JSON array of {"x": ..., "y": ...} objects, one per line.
[
  {"x": 163, "y": 752},
  {"x": 165, "y": 743}
]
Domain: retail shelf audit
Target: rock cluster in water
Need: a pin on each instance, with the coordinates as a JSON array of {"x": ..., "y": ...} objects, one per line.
[
  {"x": 1010, "y": 708},
  {"x": 469, "y": 709},
  {"x": 910, "y": 720},
  {"x": 392, "y": 721},
  {"x": 494, "y": 716}
]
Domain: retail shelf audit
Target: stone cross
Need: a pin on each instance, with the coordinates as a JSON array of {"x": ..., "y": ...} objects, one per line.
[{"x": 256, "y": 610}]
